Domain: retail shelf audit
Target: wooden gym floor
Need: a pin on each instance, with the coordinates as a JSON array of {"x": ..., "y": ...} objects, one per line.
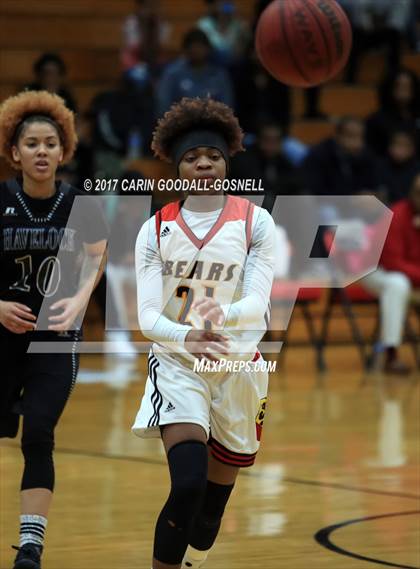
[{"x": 336, "y": 484}]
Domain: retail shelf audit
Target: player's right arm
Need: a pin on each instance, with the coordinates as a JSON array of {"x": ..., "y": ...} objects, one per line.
[
  {"x": 153, "y": 323},
  {"x": 16, "y": 317}
]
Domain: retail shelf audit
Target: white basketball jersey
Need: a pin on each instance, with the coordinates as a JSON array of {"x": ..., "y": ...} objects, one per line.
[{"x": 194, "y": 268}]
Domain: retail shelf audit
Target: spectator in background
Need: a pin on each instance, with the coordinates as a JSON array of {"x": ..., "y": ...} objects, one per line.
[
  {"x": 123, "y": 120},
  {"x": 400, "y": 166},
  {"x": 341, "y": 165},
  {"x": 399, "y": 99},
  {"x": 401, "y": 251},
  {"x": 265, "y": 161},
  {"x": 145, "y": 36},
  {"x": 228, "y": 35},
  {"x": 398, "y": 274},
  {"x": 193, "y": 75},
  {"x": 376, "y": 23},
  {"x": 50, "y": 75},
  {"x": 259, "y": 97}
]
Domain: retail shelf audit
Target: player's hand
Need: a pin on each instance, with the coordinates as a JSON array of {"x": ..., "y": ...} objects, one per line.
[
  {"x": 209, "y": 309},
  {"x": 203, "y": 344},
  {"x": 71, "y": 308},
  {"x": 16, "y": 317}
]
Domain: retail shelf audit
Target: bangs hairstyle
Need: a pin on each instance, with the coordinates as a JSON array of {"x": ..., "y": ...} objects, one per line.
[
  {"x": 196, "y": 114},
  {"x": 44, "y": 106}
]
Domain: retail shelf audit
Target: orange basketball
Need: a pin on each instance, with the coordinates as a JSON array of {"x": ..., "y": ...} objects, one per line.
[{"x": 303, "y": 43}]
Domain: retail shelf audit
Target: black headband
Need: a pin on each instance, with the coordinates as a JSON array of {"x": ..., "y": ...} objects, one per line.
[{"x": 197, "y": 138}]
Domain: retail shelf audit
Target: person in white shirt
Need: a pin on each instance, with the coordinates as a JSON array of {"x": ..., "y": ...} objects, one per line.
[{"x": 204, "y": 274}]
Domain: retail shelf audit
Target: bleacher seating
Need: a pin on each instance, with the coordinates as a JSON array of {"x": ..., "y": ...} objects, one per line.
[
  {"x": 87, "y": 34},
  {"x": 310, "y": 131}
]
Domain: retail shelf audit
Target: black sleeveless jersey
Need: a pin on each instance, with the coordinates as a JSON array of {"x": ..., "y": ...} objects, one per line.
[{"x": 41, "y": 244}]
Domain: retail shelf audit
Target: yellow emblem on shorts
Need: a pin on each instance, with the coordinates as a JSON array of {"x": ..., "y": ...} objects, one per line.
[{"x": 259, "y": 419}]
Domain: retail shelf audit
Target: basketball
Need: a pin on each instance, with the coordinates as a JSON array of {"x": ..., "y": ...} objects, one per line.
[{"x": 303, "y": 43}]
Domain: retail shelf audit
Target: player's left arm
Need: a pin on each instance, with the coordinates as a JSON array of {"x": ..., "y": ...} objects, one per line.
[
  {"x": 94, "y": 232},
  {"x": 246, "y": 313},
  {"x": 90, "y": 275},
  {"x": 92, "y": 269}
]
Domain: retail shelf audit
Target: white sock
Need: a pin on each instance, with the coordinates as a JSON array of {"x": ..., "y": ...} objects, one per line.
[
  {"x": 32, "y": 529},
  {"x": 194, "y": 558}
]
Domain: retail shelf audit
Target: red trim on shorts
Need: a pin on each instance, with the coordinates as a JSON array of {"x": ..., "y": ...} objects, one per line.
[{"x": 226, "y": 456}]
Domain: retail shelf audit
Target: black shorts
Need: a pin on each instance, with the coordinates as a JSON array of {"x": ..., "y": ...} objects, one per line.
[{"x": 36, "y": 384}]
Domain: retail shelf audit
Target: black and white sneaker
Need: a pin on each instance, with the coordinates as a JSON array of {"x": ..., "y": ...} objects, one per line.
[{"x": 28, "y": 556}]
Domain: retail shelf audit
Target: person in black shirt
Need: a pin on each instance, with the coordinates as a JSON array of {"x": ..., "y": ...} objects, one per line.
[
  {"x": 266, "y": 161},
  {"x": 399, "y": 108},
  {"x": 50, "y": 73},
  {"x": 50, "y": 261},
  {"x": 342, "y": 165},
  {"x": 400, "y": 166}
]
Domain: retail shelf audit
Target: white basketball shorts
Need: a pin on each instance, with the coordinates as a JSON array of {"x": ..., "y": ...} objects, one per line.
[{"x": 230, "y": 409}]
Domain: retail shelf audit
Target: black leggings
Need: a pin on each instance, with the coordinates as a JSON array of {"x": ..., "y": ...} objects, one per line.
[{"x": 36, "y": 386}]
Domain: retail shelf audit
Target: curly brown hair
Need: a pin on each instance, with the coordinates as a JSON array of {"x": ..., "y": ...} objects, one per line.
[
  {"x": 190, "y": 114},
  {"x": 16, "y": 109}
]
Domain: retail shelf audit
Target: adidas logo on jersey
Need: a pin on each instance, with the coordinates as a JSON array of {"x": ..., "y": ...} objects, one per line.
[
  {"x": 165, "y": 231},
  {"x": 170, "y": 407},
  {"x": 9, "y": 211}
]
